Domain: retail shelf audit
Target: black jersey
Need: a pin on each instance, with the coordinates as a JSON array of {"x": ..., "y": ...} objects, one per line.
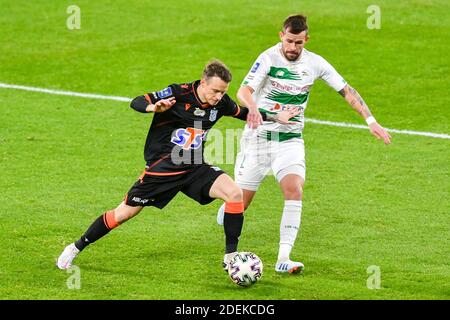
[{"x": 176, "y": 136}]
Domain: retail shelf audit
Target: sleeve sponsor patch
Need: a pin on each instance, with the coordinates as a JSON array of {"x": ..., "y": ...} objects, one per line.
[
  {"x": 255, "y": 67},
  {"x": 164, "y": 93}
]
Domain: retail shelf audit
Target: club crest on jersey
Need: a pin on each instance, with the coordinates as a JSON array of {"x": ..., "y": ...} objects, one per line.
[
  {"x": 199, "y": 112},
  {"x": 164, "y": 93},
  {"x": 188, "y": 138},
  {"x": 213, "y": 115},
  {"x": 280, "y": 73}
]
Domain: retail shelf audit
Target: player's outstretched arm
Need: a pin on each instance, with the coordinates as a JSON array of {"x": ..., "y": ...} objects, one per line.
[
  {"x": 357, "y": 103},
  {"x": 141, "y": 104},
  {"x": 282, "y": 117},
  {"x": 161, "y": 105}
]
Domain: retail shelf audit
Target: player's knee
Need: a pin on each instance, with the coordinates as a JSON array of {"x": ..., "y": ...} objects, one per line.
[
  {"x": 121, "y": 218},
  {"x": 293, "y": 192},
  {"x": 234, "y": 194},
  {"x": 124, "y": 213}
]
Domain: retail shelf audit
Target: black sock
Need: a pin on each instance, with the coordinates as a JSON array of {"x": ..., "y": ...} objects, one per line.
[
  {"x": 232, "y": 224},
  {"x": 98, "y": 229}
]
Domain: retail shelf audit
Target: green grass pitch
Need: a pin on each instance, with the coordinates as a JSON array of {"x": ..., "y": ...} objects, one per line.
[{"x": 65, "y": 160}]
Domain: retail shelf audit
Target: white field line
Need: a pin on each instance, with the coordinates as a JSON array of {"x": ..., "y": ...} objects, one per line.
[
  {"x": 64, "y": 93},
  {"x": 358, "y": 126},
  {"x": 124, "y": 99}
]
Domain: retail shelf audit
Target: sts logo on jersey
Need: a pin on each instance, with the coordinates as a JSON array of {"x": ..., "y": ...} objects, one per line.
[{"x": 189, "y": 138}]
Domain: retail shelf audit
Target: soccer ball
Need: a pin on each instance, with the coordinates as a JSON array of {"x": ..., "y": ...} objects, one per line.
[{"x": 245, "y": 269}]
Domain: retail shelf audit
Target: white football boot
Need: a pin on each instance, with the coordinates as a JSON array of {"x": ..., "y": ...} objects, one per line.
[
  {"x": 227, "y": 259},
  {"x": 220, "y": 214},
  {"x": 67, "y": 256},
  {"x": 289, "y": 266}
]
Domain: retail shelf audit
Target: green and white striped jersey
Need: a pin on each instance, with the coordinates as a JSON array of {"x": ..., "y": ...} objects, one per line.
[{"x": 279, "y": 83}]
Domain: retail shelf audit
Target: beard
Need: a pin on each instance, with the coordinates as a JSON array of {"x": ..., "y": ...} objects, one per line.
[{"x": 291, "y": 56}]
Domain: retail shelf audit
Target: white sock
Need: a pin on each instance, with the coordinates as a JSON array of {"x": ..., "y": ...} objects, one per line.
[{"x": 289, "y": 226}]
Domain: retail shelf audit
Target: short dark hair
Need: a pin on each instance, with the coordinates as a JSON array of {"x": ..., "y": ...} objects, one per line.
[
  {"x": 295, "y": 24},
  {"x": 216, "y": 68}
]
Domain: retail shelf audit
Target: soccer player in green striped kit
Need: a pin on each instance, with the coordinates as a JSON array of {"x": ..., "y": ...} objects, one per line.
[{"x": 280, "y": 79}]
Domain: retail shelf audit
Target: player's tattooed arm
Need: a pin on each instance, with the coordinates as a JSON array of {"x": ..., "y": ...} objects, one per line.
[
  {"x": 357, "y": 103},
  {"x": 270, "y": 117},
  {"x": 284, "y": 116},
  {"x": 355, "y": 100}
]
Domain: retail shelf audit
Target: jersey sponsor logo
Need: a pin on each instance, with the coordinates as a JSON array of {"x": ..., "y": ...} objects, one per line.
[
  {"x": 255, "y": 67},
  {"x": 199, "y": 112},
  {"x": 288, "y": 87},
  {"x": 305, "y": 88},
  {"x": 188, "y": 138},
  {"x": 277, "y": 107},
  {"x": 213, "y": 115},
  {"x": 164, "y": 93}
]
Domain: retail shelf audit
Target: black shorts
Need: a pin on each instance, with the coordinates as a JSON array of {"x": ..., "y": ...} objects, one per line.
[{"x": 159, "y": 190}]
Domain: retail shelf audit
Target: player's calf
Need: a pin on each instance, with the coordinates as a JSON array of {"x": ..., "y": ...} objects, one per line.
[{"x": 98, "y": 229}]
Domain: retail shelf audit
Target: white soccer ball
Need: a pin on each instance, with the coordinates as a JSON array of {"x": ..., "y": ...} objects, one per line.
[{"x": 245, "y": 269}]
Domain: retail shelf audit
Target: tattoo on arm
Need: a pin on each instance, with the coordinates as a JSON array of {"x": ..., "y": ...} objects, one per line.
[
  {"x": 271, "y": 117},
  {"x": 356, "y": 101}
]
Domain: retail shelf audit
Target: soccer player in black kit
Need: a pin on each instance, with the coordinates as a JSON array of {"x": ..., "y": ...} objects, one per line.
[{"x": 174, "y": 157}]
